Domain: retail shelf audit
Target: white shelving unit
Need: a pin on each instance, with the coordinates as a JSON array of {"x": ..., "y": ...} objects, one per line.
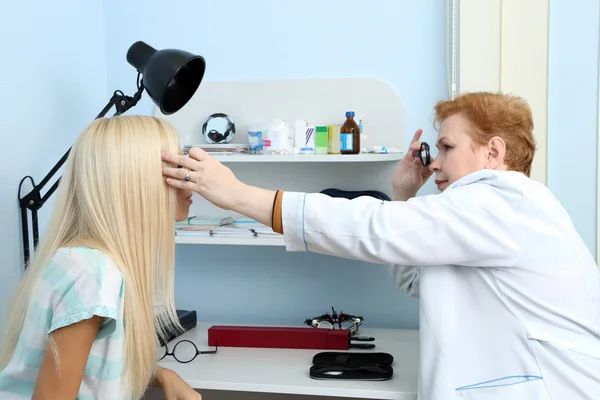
[
  {"x": 297, "y": 158},
  {"x": 231, "y": 241},
  {"x": 318, "y": 101},
  {"x": 284, "y": 372}
]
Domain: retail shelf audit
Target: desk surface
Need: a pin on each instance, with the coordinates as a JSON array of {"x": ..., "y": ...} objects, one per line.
[{"x": 285, "y": 371}]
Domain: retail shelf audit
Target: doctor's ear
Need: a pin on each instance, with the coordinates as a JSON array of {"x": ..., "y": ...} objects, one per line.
[{"x": 496, "y": 152}]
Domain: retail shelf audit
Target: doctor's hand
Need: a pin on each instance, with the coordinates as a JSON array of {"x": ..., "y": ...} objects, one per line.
[
  {"x": 215, "y": 182},
  {"x": 410, "y": 175},
  {"x": 206, "y": 176}
]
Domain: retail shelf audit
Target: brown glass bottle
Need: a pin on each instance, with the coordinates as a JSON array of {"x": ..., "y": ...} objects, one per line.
[{"x": 350, "y": 135}]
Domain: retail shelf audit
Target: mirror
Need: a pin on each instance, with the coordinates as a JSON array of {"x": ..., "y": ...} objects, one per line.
[{"x": 218, "y": 128}]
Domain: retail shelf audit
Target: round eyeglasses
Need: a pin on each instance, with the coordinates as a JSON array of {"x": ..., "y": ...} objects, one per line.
[{"x": 185, "y": 351}]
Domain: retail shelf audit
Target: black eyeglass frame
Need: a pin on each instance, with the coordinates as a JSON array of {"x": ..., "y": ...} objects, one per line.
[
  {"x": 336, "y": 319},
  {"x": 198, "y": 352}
]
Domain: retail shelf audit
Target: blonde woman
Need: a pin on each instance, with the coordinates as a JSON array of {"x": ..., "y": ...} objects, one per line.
[{"x": 82, "y": 321}]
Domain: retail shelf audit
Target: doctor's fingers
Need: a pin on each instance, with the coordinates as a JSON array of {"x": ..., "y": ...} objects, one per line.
[
  {"x": 186, "y": 185},
  {"x": 179, "y": 159},
  {"x": 196, "y": 153},
  {"x": 416, "y": 146},
  {"x": 179, "y": 173},
  {"x": 416, "y": 136},
  {"x": 183, "y": 178},
  {"x": 413, "y": 152}
]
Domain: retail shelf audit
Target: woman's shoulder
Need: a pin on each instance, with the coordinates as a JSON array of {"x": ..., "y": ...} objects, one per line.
[
  {"x": 79, "y": 282},
  {"x": 82, "y": 263}
]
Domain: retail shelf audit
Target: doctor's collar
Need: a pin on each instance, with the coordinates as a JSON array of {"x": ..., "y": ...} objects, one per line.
[{"x": 471, "y": 178}]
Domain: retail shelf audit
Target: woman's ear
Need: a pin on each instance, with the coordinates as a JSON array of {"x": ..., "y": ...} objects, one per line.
[{"x": 496, "y": 153}]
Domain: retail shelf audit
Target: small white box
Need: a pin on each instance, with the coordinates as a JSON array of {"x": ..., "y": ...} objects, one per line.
[{"x": 304, "y": 138}]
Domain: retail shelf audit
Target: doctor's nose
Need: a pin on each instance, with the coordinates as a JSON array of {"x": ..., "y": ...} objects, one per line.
[{"x": 436, "y": 165}]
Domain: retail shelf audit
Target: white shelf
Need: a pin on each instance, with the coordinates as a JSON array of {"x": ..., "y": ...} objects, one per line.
[
  {"x": 286, "y": 371},
  {"x": 367, "y": 157},
  {"x": 231, "y": 241}
]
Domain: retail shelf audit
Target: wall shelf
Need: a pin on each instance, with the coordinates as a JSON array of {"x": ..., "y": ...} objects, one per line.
[
  {"x": 317, "y": 101},
  {"x": 296, "y": 158},
  {"x": 231, "y": 241}
]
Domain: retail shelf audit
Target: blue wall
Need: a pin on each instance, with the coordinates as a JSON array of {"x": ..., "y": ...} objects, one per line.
[
  {"x": 573, "y": 111},
  {"x": 269, "y": 40},
  {"x": 52, "y": 83}
]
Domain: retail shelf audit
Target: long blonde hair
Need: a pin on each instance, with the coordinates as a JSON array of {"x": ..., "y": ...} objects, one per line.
[{"x": 113, "y": 197}]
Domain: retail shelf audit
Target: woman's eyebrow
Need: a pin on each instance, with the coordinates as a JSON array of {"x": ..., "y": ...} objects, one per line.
[{"x": 440, "y": 141}]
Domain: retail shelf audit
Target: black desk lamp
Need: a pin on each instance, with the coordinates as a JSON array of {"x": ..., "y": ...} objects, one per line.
[{"x": 170, "y": 77}]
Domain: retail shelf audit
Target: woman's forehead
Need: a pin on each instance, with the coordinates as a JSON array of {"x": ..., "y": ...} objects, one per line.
[{"x": 454, "y": 127}]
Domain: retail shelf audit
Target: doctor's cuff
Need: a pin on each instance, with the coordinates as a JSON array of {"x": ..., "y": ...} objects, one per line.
[{"x": 277, "y": 218}]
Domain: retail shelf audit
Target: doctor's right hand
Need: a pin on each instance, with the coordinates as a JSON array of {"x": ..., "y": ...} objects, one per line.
[
  {"x": 206, "y": 176},
  {"x": 410, "y": 175}
]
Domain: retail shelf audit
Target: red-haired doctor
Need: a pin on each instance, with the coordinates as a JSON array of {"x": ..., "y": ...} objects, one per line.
[{"x": 509, "y": 293}]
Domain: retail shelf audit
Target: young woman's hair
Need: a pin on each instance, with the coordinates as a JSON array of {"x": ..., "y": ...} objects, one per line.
[
  {"x": 113, "y": 197},
  {"x": 496, "y": 114}
]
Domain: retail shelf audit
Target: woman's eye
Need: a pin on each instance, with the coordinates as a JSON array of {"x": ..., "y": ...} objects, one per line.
[{"x": 446, "y": 147}]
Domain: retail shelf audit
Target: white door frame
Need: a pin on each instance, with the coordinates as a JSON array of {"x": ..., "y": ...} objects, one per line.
[{"x": 503, "y": 46}]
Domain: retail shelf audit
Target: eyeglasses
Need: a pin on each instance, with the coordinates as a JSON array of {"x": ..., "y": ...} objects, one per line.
[
  {"x": 184, "y": 351},
  {"x": 341, "y": 320}
]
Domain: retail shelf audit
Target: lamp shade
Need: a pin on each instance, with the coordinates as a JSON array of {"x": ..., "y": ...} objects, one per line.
[{"x": 170, "y": 76}]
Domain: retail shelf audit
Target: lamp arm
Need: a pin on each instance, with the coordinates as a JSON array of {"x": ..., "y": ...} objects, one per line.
[{"x": 34, "y": 200}]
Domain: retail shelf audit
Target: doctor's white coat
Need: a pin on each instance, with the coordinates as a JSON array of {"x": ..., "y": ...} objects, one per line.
[{"x": 509, "y": 293}]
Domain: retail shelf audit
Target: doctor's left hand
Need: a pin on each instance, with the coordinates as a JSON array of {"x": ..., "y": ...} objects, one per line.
[
  {"x": 410, "y": 174},
  {"x": 206, "y": 176}
]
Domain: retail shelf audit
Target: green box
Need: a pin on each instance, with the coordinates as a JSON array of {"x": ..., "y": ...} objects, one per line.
[{"x": 321, "y": 139}]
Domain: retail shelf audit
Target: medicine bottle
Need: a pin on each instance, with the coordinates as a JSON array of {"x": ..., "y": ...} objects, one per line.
[{"x": 350, "y": 135}]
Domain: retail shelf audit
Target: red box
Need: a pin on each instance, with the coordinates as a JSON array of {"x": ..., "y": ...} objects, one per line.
[{"x": 278, "y": 337}]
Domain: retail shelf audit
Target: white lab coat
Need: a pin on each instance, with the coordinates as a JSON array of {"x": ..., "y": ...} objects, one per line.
[{"x": 509, "y": 293}]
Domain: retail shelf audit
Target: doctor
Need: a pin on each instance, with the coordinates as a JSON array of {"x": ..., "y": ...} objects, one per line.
[{"x": 509, "y": 293}]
